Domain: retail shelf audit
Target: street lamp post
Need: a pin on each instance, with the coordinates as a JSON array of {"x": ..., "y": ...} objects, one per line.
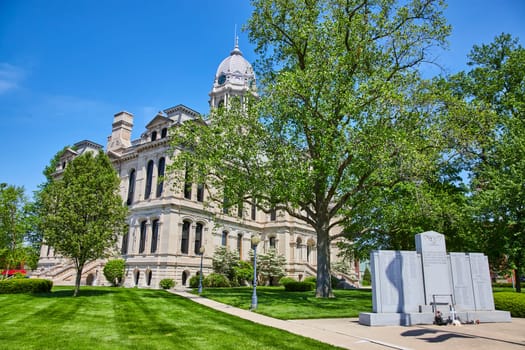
[
  {"x": 201, "y": 251},
  {"x": 255, "y": 240}
]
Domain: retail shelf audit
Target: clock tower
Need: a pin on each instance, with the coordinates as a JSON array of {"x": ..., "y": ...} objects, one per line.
[{"x": 234, "y": 77}]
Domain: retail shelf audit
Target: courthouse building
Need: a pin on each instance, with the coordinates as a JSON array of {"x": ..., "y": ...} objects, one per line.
[{"x": 168, "y": 224}]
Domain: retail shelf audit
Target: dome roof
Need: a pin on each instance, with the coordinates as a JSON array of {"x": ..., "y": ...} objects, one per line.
[{"x": 234, "y": 68}]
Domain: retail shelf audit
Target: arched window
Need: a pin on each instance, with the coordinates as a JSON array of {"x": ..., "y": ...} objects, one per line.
[
  {"x": 142, "y": 243},
  {"x": 131, "y": 186},
  {"x": 239, "y": 245},
  {"x": 153, "y": 136},
  {"x": 224, "y": 241},
  {"x": 154, "y": 235},
  {"x": 198, "y": 238},
  {"x": 149, "y": 179},
  {"x": 309, "y": 246},
  {"x": 298, "y": 251},
  {"x": 185, "y": 237},
  {"x": 163, "y": 133},
  {"x": 160, "y": 174}
]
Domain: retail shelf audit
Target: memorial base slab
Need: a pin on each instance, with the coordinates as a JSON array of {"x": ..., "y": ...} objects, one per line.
[{"x": 415, "y": 318}]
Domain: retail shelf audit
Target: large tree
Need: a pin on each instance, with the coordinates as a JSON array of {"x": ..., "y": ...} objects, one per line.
[
  {"x": 82, "y": 214},
  {"x": 495, "y": 91},
  {"x": 343, "y": 112}
]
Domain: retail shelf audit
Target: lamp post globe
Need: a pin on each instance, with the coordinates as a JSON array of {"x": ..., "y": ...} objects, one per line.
[
  {"x": 255, "y": 241},
  {"x": 201, "y": 252}
]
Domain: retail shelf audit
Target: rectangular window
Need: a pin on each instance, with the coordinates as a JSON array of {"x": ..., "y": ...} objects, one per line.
[
  {"x": 142, "y": 243},
  {"x": 187, "y": 183},
  {"x": 254, "y": 212},
  {"x": 273, "y": 215},
  {"x": 200, "y": 193},
  {"x": 124, "y": 249},
  {"x": 239, "y": 245},
  {"x": 224, "y": 240},
  {"x": 154, "y": 235},
  {"x": 185, "y": 237},
  {"x": 160, "y": 176},
  {"x": 198, "y": 238}
]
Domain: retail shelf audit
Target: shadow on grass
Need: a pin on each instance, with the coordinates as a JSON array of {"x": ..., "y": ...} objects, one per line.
[{"x": 67, "y": 292}]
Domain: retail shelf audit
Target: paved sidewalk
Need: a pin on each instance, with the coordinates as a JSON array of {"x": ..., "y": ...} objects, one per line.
[{"x": 347, "y": 333}]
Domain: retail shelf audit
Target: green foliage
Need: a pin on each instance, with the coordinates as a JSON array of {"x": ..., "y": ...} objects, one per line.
[
  {"x": 367, "y": 277},
  {"x": 285, "y": 280},
  {"x": 224, "y": 261},
  {"x": 15, "y": 227},
  {"x": 114, "y": 271},
  {"x": 303, "y": 286},
  {"x": 310, "y": 279},
  {"x": 167, "y": 283},
  {"x": 216, "y": 280},
  {"x": 82, "y": 214},
  {"x": 25, "y": 285},
  {"x": 194, "y": 281},
  {"x": 493, "y": 89},
  {"x": 244, "y": 273},
  {"x": 510, "y": 301}
]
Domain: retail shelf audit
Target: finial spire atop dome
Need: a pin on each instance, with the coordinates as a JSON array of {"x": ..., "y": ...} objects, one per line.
[{"x": 236, "y": 50}]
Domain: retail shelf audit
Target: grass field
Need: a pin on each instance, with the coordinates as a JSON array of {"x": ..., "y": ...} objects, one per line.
[
  {"x": 275, "y": 302},
  {"x": 123, "y": 318}
]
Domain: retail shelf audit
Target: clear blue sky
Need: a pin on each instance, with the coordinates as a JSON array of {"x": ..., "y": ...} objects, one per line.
[{"x": 66, "y": 67}]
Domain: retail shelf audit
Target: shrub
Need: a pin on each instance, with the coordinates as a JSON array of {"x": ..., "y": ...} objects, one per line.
[
  {"x": 244, "y": 273},
  {"x": 502, "y": 285},
  {"x": 194, "y": 281},
  {"x": 114, "y": 271},
  {"x": 334, "y": 281},
  {"x": 167, "y": 283},
  {"x": 510, "y": 301},
  {"x": 311, "y": 279},
  {"x": 299, "y": 286},
  {"x": 216, "y": 280},
  {"x": 25, "y": 285},
  {"x": 285, "y": 280}
]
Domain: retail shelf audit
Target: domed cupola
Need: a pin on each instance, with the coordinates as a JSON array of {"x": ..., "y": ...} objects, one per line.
[{"x": 234, "y": 77}]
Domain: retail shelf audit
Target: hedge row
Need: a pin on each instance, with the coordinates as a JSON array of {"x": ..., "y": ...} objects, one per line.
[
  {"x": 25, "y": 285},
  {"x": 510, "y": 301}
]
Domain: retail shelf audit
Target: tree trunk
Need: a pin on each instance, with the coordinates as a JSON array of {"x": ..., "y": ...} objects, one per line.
[
  {"x": 517, "y": 277},
  {"x": 78, "y": 279},
  {"x": 324, "y": 285}
]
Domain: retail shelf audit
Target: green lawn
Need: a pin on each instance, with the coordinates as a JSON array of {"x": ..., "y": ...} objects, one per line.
[
  {"x": 123, "y": 318},
  {"x": 275, "y": 302}
]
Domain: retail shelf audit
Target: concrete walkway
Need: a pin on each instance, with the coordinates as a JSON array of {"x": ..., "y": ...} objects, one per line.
[{"x": 347, "y": 333}]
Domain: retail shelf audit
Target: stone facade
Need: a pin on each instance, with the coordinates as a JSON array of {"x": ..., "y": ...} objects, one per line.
[{"x": 168, "y": 223}]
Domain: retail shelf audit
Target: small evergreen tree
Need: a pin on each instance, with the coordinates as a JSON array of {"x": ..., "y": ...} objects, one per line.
[{"x": 367, "y": 278}]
